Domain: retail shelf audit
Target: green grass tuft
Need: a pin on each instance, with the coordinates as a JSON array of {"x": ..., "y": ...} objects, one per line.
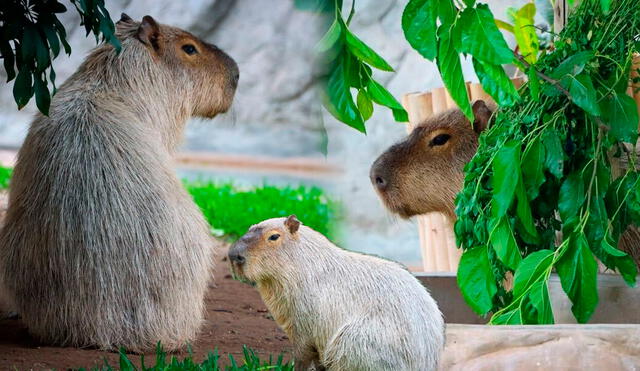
[
  {"x": 232, "y": 210},
  {"x": 5, "y": 175},
  {"x": 250, "y": 362}
]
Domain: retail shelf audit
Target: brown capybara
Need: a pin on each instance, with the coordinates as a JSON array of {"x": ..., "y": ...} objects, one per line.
[
  {"x": 424, "y": 172},
  {"x": 101, "y": 244},
  {"x": 342, "y": 311}
]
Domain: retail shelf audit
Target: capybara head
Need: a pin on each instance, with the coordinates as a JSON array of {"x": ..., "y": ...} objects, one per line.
[
  {"x": 424, "y": 172},
  {"x": 258, "y": 255},
  {"x": 207, "y": 74}
]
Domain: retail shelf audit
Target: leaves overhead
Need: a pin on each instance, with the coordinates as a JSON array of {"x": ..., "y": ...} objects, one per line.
[
  {"x": 349, "y": 62},
  {"x": 32, "y": 37}
]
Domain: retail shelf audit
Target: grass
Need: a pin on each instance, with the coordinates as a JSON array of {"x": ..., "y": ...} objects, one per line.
[
  {"x": 231, "y": 209},
  {"x": 5, "y": 175},
  {"x": 250, "y": 362}
]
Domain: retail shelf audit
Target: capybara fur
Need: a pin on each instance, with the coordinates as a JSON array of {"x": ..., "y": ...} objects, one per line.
[
  {"x": 102, "y": 247},
  {"x": 341, "y": 310},
  {"x": 424, "y": 172}
]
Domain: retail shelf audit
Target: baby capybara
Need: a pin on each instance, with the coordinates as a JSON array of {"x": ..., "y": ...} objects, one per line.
[
  {"x": 341, "y": 310},
  {"x": 101, "y": 245}
]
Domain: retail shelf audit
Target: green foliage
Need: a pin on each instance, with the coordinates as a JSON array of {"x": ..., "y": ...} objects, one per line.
[
  {"x": 349, "y": 62},
  {"x": 232, "y": 210},
  {"x": 5, "y": 176},
  {"x": 543, "y": 168},
  {"x": 31, "y": 36},
  {"x": 250, "y": 362}
]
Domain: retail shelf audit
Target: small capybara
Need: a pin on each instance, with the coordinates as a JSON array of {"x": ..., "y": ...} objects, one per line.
[
  {"x": 424, "y": 172},
  {"x": 341, "y": 310},
  {"x": 102, "y": 246}
]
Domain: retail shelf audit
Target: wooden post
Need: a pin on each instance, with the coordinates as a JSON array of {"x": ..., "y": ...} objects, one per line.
[{"x": 437, "y": 243}]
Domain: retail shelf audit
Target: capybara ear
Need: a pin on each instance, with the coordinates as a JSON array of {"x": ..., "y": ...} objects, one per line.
[
  {"x": 292, "y": 223},
  {"x": 482, "y": 114},
  {"x": 124, "y": 18},
  {"x": 149, "y": 32}
]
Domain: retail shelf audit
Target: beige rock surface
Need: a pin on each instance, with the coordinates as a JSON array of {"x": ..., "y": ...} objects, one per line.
[{"x": 555, "y": 347}]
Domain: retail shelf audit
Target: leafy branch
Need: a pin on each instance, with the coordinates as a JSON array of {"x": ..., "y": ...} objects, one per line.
[
  {"x": 349, "y": 64},
  {"x": 31, "y": 37}
]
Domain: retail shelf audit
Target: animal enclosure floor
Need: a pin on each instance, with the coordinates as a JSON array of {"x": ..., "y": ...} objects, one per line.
[{"x": 235, "y": 316}]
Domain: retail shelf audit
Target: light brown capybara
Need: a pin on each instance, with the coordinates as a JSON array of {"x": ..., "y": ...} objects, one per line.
[
  {"x": 342, "y": 310},
  {"x": 101, "y": 244},
  {"x": 424, "y": 172}
]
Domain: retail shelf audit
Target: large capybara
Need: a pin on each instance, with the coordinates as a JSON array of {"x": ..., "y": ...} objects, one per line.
[
  {"x": 424, "y": 172},
  {"x": 101, "y": 245},
  {"x": 341, "y": 310}
]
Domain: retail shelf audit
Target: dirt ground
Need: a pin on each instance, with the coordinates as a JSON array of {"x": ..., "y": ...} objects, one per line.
[{"x": 235, "y": 316}]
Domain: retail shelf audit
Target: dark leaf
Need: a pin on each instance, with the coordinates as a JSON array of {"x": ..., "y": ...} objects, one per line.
[
  {"x": 583, "y": 93},
  {"x": 554, "y": 159},
  {"x": 578, "y": 270},
  {"x": 476, "y": 280},
  {"x": 22, "y": 87},
  {"x": 506, "y": 170},
  {"x": 533, "y": 167},
  {"x": 621, "y": 113},
  {"x": 339, "y": 101},
  {"x": 504, "y": 243},
  {"x": 496, "y": 82},
  {"x": 572, "y": 196}
]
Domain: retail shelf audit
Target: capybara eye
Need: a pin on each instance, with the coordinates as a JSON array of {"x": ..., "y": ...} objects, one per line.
[
  {"x": 274, "y": 237},
  {"x": 440, "y": 139},
  {"x": 189, "y": 49}
]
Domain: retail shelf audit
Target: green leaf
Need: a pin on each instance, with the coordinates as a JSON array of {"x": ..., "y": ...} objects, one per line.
[
  {"x": 447, "y": 12},
  {"x": 358, "y": 73},
  {"x": 573, "y": 65},
  {"x": 400, "y": 115},
  {"x": 529, "y": 233},
  {"x": 534, "y": 84},
  {"x": 476, "y": 280},
  {"x": 43, "y": 99},
  {"x": 419, "y": 26},
  {"x": 381, "y": 96},
  {"x": 448, "y": 62},
  {"x": 364, "y": 105},
  {"x": 532, "y": 269},
  {"x": 52, "y": 38},
  {"x": 29, "y": 45},
  {"x": 621, "y": 113},
  {"x": 578, "y": 271},
  {"x": 571, "y": 196},
  {"x": 481, "y": 37},
  {"x": 616, "y": 260},
  {"x": 504, "y": 25},
  {"x": 506, "y": 170},
  {"x": 330, "y": 38},
  {"x": 496, "y": 82},
  {"x": 554, "y": 161},
  {"x": 525, "y": 32},
  {"x": 365, "y": 53},
  {"x": 583, "y": 93},
  {"x": 539, "y": 297},
  {"x": 8, "y": 59},
  {"x": 339, "y": 101},
  {"x": 504, "y": 243},
  {"x": 533, "y": 167},
  {"x": 513, "y": 317},
  {"x": 22, "y": 87}
]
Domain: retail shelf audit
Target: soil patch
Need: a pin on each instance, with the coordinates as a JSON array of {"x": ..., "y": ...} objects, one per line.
[{"x": 235, "y": 316}]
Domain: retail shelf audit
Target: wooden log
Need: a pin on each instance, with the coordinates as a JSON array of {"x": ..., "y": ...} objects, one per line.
[
  {"x": 439, "y": 100},
  {"x": 477, "y": 93}
]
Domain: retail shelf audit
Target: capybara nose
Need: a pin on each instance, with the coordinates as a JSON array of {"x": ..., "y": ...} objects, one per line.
[
  {"x": 377, "y": 179},
  {"x": 236, "y": 257}
]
